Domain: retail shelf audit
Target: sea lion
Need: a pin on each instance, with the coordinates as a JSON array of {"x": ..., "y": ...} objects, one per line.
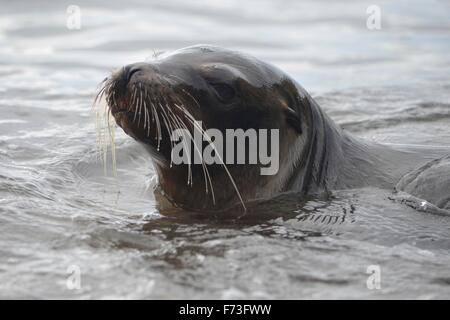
[
  {"x": 429, "y": 183},
  {"x": 225, "y": 89}
]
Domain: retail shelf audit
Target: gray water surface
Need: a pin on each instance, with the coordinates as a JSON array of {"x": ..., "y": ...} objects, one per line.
[{"x": 60, "y": 213}]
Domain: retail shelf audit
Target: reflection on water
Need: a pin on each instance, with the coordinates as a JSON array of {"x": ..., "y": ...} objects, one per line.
[{"x": 59, "y": 210}]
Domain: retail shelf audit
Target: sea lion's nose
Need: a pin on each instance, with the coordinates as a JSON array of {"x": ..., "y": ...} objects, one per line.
[
  {"x": 148, "y": 71},
  {"x": 130, "y": 70}
]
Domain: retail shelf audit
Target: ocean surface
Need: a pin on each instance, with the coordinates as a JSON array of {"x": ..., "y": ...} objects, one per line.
[{"x": 69, "y": 231}]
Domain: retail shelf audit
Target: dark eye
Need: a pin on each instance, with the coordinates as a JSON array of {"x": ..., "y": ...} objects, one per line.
[{"x": 224, "y": 91}]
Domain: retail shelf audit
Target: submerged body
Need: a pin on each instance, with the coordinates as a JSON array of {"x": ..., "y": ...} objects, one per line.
[{"x": 228, "y": 90}]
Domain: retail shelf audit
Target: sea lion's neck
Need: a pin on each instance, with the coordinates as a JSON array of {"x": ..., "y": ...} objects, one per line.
[{"x": 334, "y": 159}]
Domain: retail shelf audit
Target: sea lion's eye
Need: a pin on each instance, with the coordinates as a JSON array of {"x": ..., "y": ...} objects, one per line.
[{"x": 224, "y": 91}]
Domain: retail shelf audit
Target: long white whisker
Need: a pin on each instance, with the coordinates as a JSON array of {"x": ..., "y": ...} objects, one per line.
[
  {"x": 158, "y": 127},
  {"x": 195, "y": 123},
  {"x": 147, "y": 118},
  {"x": 167, "y": 116},
  {"x": 206, "y": 174},
  {"x": 134, "y": 104},
  {"x": 140, "y": 104},
  {"x": 190, "y": 177},
  {"x": 149, "y": 99},
  {"x": 184, "y": 91}
]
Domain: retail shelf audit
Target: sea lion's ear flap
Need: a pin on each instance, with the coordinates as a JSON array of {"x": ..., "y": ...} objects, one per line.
[{"x": 293, "y": 119}]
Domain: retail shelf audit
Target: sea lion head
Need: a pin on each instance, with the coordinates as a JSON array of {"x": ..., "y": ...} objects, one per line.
[{"x": 221, "y": 89}]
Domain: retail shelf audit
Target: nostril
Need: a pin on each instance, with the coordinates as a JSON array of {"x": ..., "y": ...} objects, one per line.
[
  {"x": 130, "y": 71},
  {"x": 133, "y": 71}
]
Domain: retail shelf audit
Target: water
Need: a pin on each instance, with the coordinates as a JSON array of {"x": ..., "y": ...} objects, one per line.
[{"x": 59, "y": 213}]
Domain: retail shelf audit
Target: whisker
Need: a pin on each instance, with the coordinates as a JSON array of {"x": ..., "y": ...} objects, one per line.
[
  {"x": 195, "y": 123},
  {"x": 140, "y": 104},
  {"x": 205, "y": 169},
  {"x": 206, "y": 174},
  {"x": 158, "y": 127},
  {"x": 190, "y": 177},
  {"x": 104, "y": 126},
  {"x": 167, "y": 116},
  {"x": 135, "y": 103},
  {"x": 146, "y": 119},
  {"x": 184, "y": 91}
]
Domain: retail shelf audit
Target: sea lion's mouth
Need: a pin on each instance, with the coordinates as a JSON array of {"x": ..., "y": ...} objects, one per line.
[
  {"x": 121, "y": 113},
  {"x": 149, "y": 109}
]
